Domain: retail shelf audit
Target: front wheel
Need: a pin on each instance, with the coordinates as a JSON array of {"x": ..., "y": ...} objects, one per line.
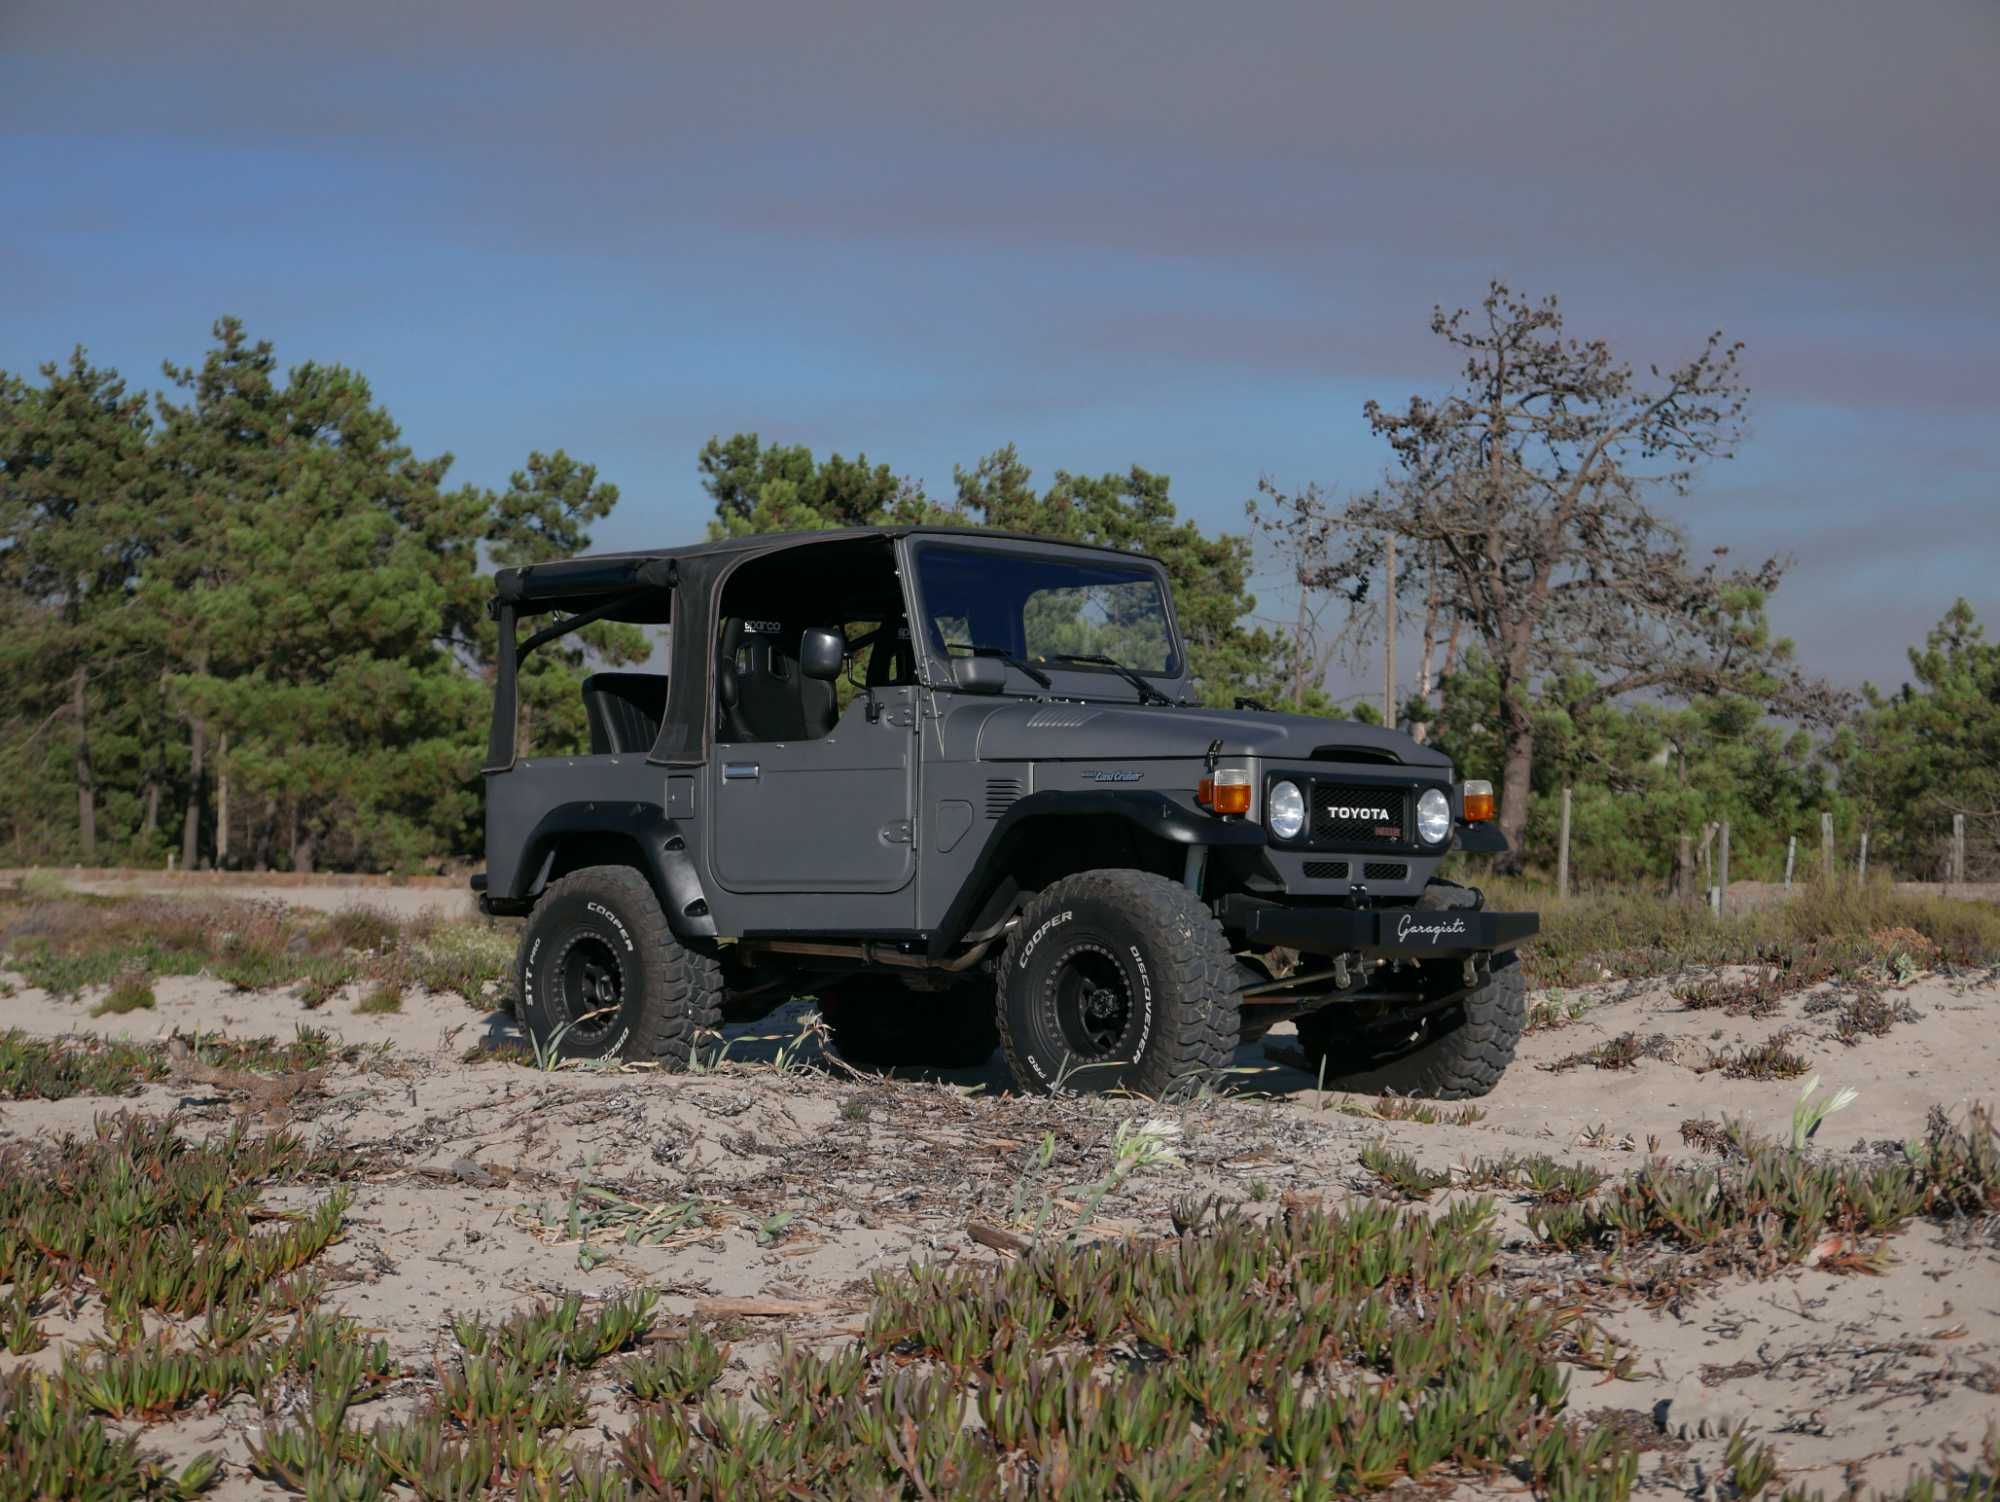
[
  {"x": 1449, "y": 1048},
  {"x": 602, "y": 975},
  {"x": 1117, "y": 980}
]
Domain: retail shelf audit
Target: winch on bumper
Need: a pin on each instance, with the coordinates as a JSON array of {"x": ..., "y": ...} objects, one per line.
[{"x": 1376, "y": 933}]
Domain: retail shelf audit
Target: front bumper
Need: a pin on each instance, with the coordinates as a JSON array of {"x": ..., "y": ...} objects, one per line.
[{"x": 1394, "y": 933}]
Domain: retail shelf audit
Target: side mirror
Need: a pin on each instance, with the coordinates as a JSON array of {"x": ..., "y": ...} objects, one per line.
[
  {"x": 979, "y": 675},
  {"x": 821, "y": 653}
]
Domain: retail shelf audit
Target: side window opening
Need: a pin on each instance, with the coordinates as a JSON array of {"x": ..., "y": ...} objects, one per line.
[{"x": 767, "y": 607}]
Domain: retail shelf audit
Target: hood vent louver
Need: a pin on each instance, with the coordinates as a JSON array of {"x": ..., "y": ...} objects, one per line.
[
  {"x": 1000, "y": 795},
  {"x": 1061, "y": 717}
]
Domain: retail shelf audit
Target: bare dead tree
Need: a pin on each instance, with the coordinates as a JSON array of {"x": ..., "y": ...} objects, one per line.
[
  {"x": 1303, "y": 537},
  {"x": 1529, "y": 484}
]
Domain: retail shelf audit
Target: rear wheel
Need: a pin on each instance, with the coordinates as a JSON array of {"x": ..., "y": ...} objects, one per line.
[
  {"x": 879, "y": 1024},
  {"x": 1117, "y": 980},
  {"x": 1449, "y": 1048},
  {"x": 602, "y": 975}
]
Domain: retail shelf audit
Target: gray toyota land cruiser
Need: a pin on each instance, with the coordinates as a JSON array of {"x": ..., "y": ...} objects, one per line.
[{"x": 951, "y": 784}]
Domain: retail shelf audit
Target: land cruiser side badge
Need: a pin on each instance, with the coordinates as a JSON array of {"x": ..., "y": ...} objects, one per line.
[{"x": 1112, "y": 776}]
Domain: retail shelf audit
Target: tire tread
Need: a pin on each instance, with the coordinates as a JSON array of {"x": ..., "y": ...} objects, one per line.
[
  {"x": 687, "y": 999},
  {"x": 1200, "y": 1037}
]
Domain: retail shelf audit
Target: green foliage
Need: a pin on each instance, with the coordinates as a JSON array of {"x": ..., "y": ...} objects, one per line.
[
  {"x": 1645, "y": 775},
  {"x": 266, "y": 587},
  {"x": 782, "y": 488},
  {"x": 1822, "y": 932},
  {"x": 1932, "y": 749},
  {"x": 57, "y": 1068},
  {"x": 1771, "y": 1206}
]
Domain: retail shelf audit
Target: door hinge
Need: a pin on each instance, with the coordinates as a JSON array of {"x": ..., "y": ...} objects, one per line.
[{"x": 898, "y": 833}]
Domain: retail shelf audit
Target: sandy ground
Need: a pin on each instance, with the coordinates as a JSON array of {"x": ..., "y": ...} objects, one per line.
[{"x": 797, "y": 1183}]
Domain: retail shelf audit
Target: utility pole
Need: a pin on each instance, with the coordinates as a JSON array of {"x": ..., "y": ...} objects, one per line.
[{"x": 1389, "y": 635}]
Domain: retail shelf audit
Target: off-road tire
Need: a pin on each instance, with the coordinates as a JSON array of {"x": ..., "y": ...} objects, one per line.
[
  {"x": 1147, "y": 938},
  {"x": 1464, "y": 1045},
  {"x": 879, "y": 1024},
  {"x": 604, "y": 922}
]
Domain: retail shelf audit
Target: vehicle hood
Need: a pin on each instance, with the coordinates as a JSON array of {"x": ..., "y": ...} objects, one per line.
[{"x": 1056, "y": 730}]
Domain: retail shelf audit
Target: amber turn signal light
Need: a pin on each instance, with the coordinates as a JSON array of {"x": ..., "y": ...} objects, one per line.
[
  {"x": 1478, "y": 799},
  {"x": 1224, "y": 791}
]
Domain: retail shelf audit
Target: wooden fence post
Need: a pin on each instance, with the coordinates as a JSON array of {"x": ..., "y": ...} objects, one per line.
[
  {"x": 1722, "y": 871},
  {"x": 1861, "y": 865},
  {"x": 1562, "y": 850},
  {"x": 1826, "y": 847},
  {"x": 1958, "y": 848},
  {"x": 1791, "y": 854}
]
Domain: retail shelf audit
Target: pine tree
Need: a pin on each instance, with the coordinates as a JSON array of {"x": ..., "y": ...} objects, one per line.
[{"x": 73, "y": 492}]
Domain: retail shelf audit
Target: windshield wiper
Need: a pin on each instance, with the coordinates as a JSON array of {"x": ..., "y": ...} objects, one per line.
[
  {"x": 1020, "y": 665},
  {"x": 1148, "y": 692}
]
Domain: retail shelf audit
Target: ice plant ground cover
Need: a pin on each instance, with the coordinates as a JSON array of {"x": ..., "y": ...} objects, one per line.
[{"x": 259, "y": 1239}]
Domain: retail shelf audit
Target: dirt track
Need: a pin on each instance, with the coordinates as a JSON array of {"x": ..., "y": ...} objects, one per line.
[{"x": 796, "y": 1183}]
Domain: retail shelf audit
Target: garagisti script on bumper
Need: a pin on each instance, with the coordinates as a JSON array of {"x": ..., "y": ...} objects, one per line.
[{"x": 1443, "y": 928}]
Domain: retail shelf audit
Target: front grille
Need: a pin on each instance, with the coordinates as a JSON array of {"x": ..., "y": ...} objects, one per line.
[
  {"x": 1384, "y": 871},
  {"x": 1360, "y": 816},
  {"x": 1326, "y": 870},
  {"x": 1000, "y": 795}
]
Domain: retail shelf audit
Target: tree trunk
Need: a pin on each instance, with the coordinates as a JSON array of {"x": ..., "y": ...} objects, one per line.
[
  {"x": 1517, "y": 740},
  {"x": 1299, "y": 652},
  {"x": 1389, "y": 636},
  {"x": 1420, "y": 731},
  {"x": 222, "y": 799},
  {"x": 191, "y": 820},
  {"x": 303, "y": 850},
  {"x": 86, "y": 780},
  {"x": 1683, "y": 886},
  {"x": 151, "y": 819},
  {"x": 1515, "y": 789},
  {"x": 265, "y": 839}
]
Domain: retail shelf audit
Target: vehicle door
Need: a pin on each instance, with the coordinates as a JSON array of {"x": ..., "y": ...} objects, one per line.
[{"x": 809, "y": 796}]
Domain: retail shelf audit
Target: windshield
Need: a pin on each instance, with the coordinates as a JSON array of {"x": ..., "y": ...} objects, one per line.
[{"x": 1043, "y": 609}]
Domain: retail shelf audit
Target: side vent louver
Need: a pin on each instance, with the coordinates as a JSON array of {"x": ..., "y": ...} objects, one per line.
[{"x": 1000, "y": 795}]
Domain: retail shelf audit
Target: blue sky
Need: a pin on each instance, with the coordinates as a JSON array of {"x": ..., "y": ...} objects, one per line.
[{"x": 1192, "y": 237}]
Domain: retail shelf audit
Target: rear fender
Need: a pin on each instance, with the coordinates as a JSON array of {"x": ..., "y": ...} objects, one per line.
[{"x": 650, "y": 841}]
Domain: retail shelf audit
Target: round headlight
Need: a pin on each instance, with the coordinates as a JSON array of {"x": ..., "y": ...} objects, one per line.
[
  {"x": 1285, "y": 812},
  {"x": 1433, "y": 816}
]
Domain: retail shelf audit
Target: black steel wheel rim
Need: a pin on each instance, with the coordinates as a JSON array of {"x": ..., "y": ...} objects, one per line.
[
  {"x": 1093, "y": 1002},
  {"x": 591, "y": 982}
]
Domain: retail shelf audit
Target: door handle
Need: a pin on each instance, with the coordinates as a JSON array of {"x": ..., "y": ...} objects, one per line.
[{"x": 741, "y": 771}]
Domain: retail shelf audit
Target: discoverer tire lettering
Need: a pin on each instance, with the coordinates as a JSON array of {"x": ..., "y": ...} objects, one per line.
[{"x": 1117, "y": 979}]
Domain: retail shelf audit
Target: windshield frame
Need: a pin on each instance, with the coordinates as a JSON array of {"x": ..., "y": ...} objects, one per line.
[{"x": 1070, "y": 680}]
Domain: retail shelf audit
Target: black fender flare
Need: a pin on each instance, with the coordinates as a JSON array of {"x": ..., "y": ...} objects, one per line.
[
  {"x": 1157, "y": 815},
  {"x": 664, "y": 858},
  {"x": 1480, "y": 839}
]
